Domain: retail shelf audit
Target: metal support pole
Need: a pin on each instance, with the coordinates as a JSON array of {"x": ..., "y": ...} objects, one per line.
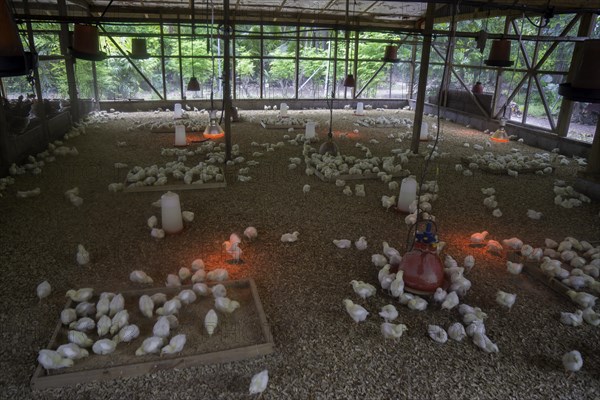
[
  {"x": 262, "y": 64},
  {"x": 65, "y": 41},
  {"x": 180, "y": 61},
  {"x": 162, "y": 60},
  {"x": 413, "y": 68},
  {"x": 41, "y": 111},
  {"x": 297, "y": 61},
  {"x": 355, "y": 66},
  {"x": 227, "y": 78},
  {"x": 424, "y": 70},
  {"x": 371, "y": 79}
]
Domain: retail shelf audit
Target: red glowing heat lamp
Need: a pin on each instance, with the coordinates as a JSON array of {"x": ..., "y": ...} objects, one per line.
[
  {"x": 422, "y": 266},
  {"x": 500, "y": 135}
]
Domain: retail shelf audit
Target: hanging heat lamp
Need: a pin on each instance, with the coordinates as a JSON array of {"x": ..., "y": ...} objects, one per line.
[
  {"x": 500, "y": 136},
  {"x": 350, "y": 81},
  {"x": 585, "y": 86},
  {"x": 499, "y": 54},
  {"x": 138, "y": 49},
  {"x": 86, "y": 43},
  {"x": 14, "y": 61},
  {"x": 193, "y": 85},
  {"x": 391, "y": 54}
]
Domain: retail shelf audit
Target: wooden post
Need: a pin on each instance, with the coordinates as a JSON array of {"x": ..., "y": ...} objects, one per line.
[
  {"x": 450, "y": 63},
  {"x": 262, "y": 63},
  {"x": 227, "y": 78},
  {"x": 586, "y": 26},
  {"x": 593, "y": 167},
  {"x": 498, "y": 86},
  {"x": 65, "y": 41},
  {"x": 95, "y": 84},
  {"x": 536, "y": 49},
  {"x": 425, "y": 53}
]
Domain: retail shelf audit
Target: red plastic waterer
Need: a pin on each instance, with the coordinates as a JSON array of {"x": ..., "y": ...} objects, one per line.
[{"x": 422, "y": 266}]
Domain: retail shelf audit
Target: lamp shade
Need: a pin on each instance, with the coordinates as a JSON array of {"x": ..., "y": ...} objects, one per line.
[
  {"x": 138, "y": 49},
  {"x": 391, "y": 54},
  {"x": 193, "y": 85},
  {"x": 14, "y": 60},
  {"x": 86, "y": 43},
  {"x": 499, "y": 54},
  {"x": 349, "y": 81},
  {"x": 213, "y": 130},
  {"x": 585, "y": 86},
  {"x": 500, "y": 135}
]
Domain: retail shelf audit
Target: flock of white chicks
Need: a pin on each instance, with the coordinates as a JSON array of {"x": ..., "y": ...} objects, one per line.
[
  {"x": 584, "y": 274},
  {"x": 393, "y": 284},
  {"x": 574, "y": 263}
]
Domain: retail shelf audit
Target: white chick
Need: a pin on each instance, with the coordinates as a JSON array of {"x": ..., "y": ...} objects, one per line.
[
  {"x": 494, "y": 247},
  {"x": 173, "y": 281},
  {"x": 117, "y": 303},
  {"x": 379, "y": 260},
  {"x": 362, "y": 289},
  {"x": 342, "y": 243},
  {"x": 440, "y": 295},
  {"x": 104, "y": 346},
  {"x": 591, "y": 317},
  {"x": 175, "y": 345},
  {"x": 456, "y": 331},
  {"x": 469, "y": 262},
  {"x": 505, "y": 299},
  {"x": 392, "y": 331},
  {"x": 68, "y": 315},
  {"x": 513, "y": 243},
  {"x": 146, "y": 306},
  {"x": 497, "y": 213},
  {"x": 217, "y": 275},
  {"x": 50, "y": 359},
  {"x": 290, "y": 237},
  {"x": 201, "y": 289},
  {"x": 259, "y": 382},
  {"x": 484, "y": 343},
  {"x": 479, "y": 237},
  {"x": 397, "y": 285},
  {"x": 80, "y": 295},
  {"x": 170, "y": 307},
  {"x": 226, "y": 305},
  {"x": 187, "y": 296},
  {"x": 361, "y": 243},
  {"x": 157, "y": 233},
  {"x": 184, "y": 273},
  {"x": 347, "y": 191},
  {"x": 534, "y": 214},
  {"x": 138, "y": 276},
  {"x": 305, "y": 188},
  {"x": 389, "y": 312},
  {"x": 198, "y": 264},
  {"x": 250, "y": 233},
  {"x": 391, "y": 253},
  {"x": 152, "y": 222},
  {"x": 151, "y": 345},
  {"x": 72, "y": 351},
  {"x": 514, "y": 268},
  {"x": 585, "y": 300},
  {"x": 417, "y": 304},
  {"x": 43, "y": 290},
  {"x": 219, "y": 291},
  {"x": 357, "y": 312},
  {"x": 451, "y": 301},
  {"x": 83, "y": 256},
  {"x": 103, "y": 325},
  {"x": 388, "y": 201},
  {"x": 437, "y": 333},
  {"x": 572, "y": 319},
  {"x": 572, "y": 361}
]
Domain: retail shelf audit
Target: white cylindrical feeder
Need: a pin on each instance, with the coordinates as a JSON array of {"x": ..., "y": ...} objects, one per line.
[
  {"x": 283, "y": 109},
  {"x": 408, "y": 194},
  {"x": 171, "y": 213},
  {"x": 309, "y": 132},
  {"x": 178, "y": 112},
  {"x": 360, "y": 109},
  {"x": 180, "y": 139},
  {"x": 424, "y": 132}
]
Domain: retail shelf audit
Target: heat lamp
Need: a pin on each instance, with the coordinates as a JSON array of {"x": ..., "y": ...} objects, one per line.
[
  {"x": 500, "y": 135},
  {"x": 213, "y": 129},
  {"x": 422, "y": 266}
]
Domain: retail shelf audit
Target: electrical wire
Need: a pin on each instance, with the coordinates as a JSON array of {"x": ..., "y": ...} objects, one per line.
[{"x": 410, "y": 240}]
